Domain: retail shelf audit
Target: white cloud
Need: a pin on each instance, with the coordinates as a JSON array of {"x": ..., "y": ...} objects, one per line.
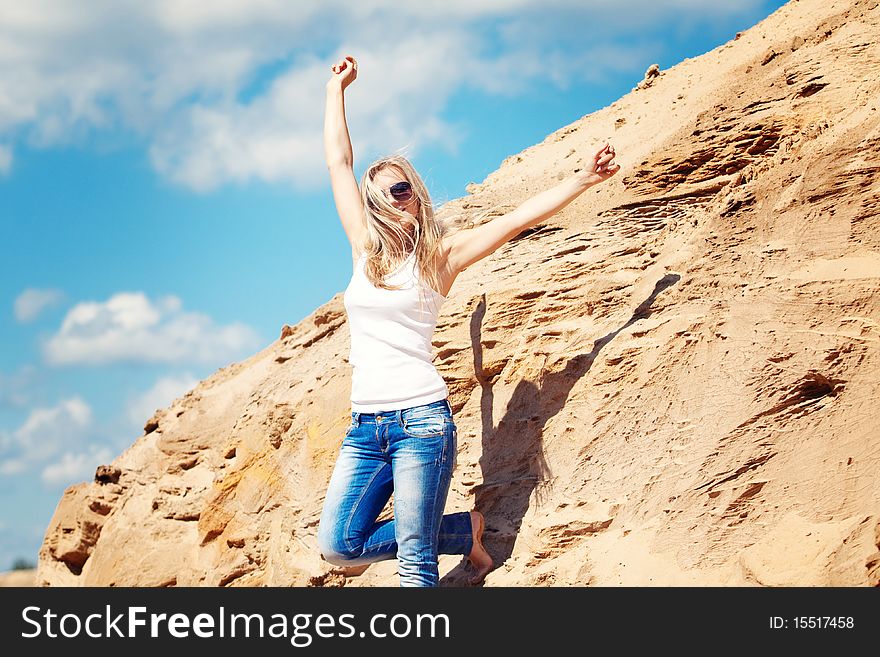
[
  {"x": 180, "y": 73},
  {"x": 164, "y": 391},
  {"x": 278, "y": 136},
  {"x": 30, "y": 303},
  {"x": 76, "y": 466},
  {"x": 54, "y": 440},
  {"x": 12, "y": 466},
  {"x": 130, "y": 327},
  {"x": 15, "y": 387},
  {"x": 45, "y": 433}
]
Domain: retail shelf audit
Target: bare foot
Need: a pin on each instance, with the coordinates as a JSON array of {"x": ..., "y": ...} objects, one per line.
[{"x": 479, "y": 558}]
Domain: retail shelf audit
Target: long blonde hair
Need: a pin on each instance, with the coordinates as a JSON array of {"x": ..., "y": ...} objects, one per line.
[{"x": 387, "y": 243}]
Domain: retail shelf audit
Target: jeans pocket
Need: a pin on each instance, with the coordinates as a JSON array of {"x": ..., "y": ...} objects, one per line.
[
  {"x": 453, "y": 446},
  {"x": 352, "y": 426},
  {"x": 425, "y": 426}
]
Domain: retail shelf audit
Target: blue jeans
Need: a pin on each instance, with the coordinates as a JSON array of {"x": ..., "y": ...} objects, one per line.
[{"x": 412, "y": 453}]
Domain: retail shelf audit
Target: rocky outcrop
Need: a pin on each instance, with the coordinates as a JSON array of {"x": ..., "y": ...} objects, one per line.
[{"x": 673, "y": 381}]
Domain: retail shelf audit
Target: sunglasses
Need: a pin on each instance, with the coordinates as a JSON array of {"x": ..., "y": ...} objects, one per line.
[{"x": 401, "y": 191}]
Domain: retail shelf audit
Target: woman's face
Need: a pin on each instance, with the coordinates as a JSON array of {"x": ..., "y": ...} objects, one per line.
[{"x": 387, "y": 177}]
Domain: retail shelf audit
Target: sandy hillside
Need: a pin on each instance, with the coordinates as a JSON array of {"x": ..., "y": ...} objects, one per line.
[
  {"x": 672, "y": 382},
  {"x": 18, "y": 577}
]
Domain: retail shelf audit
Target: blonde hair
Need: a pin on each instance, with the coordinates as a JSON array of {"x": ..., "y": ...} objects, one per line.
[{"x": 387, "y": 243}]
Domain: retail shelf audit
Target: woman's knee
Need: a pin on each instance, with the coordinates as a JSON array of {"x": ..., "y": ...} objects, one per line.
[{"x": 334, "y": 548}]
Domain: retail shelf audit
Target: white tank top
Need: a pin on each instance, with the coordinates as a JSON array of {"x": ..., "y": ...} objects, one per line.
[{"x": 391, "y": 351}]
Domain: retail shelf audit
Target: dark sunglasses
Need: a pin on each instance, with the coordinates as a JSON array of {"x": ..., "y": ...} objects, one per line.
[{"x": 401, "y": 191}]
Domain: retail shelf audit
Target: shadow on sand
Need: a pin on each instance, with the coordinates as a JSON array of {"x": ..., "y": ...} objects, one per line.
[{"x": 512, "y": 460}]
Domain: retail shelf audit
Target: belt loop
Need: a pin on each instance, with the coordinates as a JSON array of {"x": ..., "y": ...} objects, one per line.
[
  {"x": 448, "y": 406},
  {"x": 356, "y": 418},
  {"x": 399, "y": 416}
]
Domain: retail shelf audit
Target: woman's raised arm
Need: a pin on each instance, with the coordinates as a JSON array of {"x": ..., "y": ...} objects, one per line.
[
  {"x": 468, "y": 246},
  {"x": 339, "y": 156}
]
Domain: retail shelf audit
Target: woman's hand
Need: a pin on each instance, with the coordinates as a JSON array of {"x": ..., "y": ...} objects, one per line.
[
  {"x": 344, "y": 73},
  {"x": 601, "y": 166}
]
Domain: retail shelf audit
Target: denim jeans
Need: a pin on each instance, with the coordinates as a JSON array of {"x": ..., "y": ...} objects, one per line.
[{"x": 410, "y": 452}]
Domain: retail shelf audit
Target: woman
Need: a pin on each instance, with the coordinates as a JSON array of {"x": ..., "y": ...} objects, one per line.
[{"x": 402, "y": 437}]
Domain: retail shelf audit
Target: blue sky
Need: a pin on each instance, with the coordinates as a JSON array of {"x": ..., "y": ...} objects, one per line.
[{"x": 164, "y": 206}]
